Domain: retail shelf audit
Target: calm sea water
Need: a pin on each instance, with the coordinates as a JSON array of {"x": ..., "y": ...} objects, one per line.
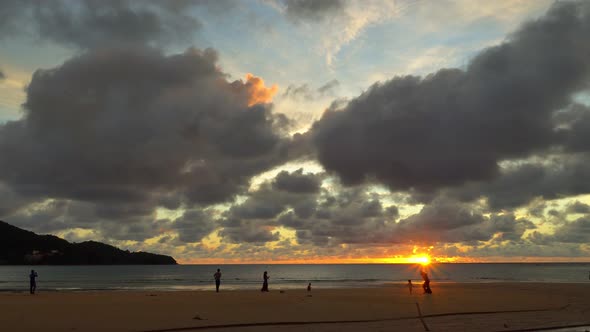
[{"x": 200, "y": 277}]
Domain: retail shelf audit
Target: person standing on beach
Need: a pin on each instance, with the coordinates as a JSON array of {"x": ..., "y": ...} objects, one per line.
[
  {"x": 309, "y": 287},
  {"x": 33, "y": 281},
  {"x": 410, "y": 285},
  {"x": 265, "y": 282},
  {"x": 217, "y": 277}
]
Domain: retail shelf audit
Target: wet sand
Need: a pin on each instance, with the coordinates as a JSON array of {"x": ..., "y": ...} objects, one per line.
[{"x": 452, "y": 307}]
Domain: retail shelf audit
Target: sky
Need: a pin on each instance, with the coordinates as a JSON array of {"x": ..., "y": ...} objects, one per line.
[{"x": 299, "y": 131}]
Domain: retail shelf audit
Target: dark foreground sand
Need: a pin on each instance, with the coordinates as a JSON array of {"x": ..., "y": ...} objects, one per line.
[{"x": 452, "y": 307}]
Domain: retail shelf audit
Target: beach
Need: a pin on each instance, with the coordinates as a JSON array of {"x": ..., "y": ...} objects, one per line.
[{"x": 452, "y": 307}]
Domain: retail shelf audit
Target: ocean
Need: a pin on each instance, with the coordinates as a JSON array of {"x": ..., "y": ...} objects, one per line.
[{"x": 200, "y": 277}]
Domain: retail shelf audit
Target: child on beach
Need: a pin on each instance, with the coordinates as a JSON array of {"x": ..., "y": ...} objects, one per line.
[
  {"x": 410, "y": 285},
  {"x": 309, "y": 287}
]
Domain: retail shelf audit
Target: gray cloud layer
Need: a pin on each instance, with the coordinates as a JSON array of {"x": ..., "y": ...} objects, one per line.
[
  {"x": 311, "y": 10},
  {"x": 117, "y": 132},
  {"x": 89, "y": 24},
  {"x": 131, "y": 129},
  {"x": 354, "y": 216},
  {"x": 454, "y": 126}
]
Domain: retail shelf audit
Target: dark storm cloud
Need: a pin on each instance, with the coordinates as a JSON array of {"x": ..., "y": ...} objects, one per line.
[
  {"x": 10, "y": 201},
  {"x": 318, "y": 216},
  {"x": 297, "y": 182},
  {"x": 89, "y": 24},
  {"x": 123, "y": 221},
  {"x": 355, "y": 216},
  {"x": 254, "y": 219},
  {"x": 312, "y": 10},
  {"x": 577, "y": 231},
  {"x": 10, "y": 11},
  {"x": 578, "y": 208},
  {"x": 445, "y": 221},
  {"x": 131, "y": 129},
  {"x": 562, "y": 176},
  {"x": 249, "y": 231},
  {"x": 194, "y": 225},
  {"x": 455, "y": 125},
  {"x": 577, "y": 120}
]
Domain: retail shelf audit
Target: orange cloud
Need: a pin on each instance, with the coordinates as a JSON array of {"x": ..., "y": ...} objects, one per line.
[{"x": 258, "y": 92}]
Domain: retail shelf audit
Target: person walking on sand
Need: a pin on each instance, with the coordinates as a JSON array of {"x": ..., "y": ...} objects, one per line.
[
  {"x": 217, "y": 277},
  {"x": 265, "y": 277},
  {"x": 33, "y": 282},
  {"x": 309, "y": 287},
  {"x": 426, "y": 284},
  {"x": 410, "y": 285}
]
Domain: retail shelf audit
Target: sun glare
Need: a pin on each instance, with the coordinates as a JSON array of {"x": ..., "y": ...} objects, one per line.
[
  {"x": 424, "y": 260},
  {"x": 414, "y": 259}
]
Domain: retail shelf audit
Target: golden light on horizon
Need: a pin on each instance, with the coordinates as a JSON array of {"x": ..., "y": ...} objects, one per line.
[{"x": 414, "y": 259}]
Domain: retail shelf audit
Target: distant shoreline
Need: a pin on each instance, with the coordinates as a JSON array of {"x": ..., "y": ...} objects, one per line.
[{"x": 277, "y": 287}]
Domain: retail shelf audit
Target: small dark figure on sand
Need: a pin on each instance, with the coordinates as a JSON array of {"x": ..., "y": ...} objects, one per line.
[
  {"x": 33, "y": 281},
  {"x": 265, "y": 282},
  {"x": 410, "y": 285},
  {"x": 309, "y": 287},
  {"x": 217, "y": 277},
  {"x": 426, "y": 284}
]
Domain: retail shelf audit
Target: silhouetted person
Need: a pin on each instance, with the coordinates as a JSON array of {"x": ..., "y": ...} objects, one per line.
[
  {"x": 309, "y": 287},
  {"x": 265, "y": 282},
  {"x": 33, "y": 281},
  {"x": 217, "y": 277},
  {"x": 426, "y": 284},
  {"x": 410, "y": 285}
]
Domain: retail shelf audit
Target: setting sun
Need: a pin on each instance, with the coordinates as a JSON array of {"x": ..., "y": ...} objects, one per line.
[
  {"x": 414, "y": 259},
  {"x": 424, "y": 260}
]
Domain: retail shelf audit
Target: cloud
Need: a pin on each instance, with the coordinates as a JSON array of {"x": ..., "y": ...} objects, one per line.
[
  {"x": 318, "y": 217},
  {"x": 454, "y": 126},
  {"x": 257, "y": 91},
  {"x": 11, "y": 201},
  {"x": 328, "y": 87},
  {"x": 194, "y": 225},
  {"x": 2, "y": 76},
  {"x": 335, "y": 216},
  {"x": 247, "y": 231},
  {"x": 310, "y": 10},
  {"x": 304, "y": 92},
  {"x": 339, "y": 21},
  {"x": 128, "y": 130},
  {"x": 578, "y": 207},
  {"x": 297, "y": 182},
  {"x": 10, "y": 10},
  {"x": 90, "y": 24},
  {"x": 577, "y": 231},
  {"x": 448, "y": 221},
  {"x": 556, "y": 177},
  {"x": 304, "y": 103}
]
